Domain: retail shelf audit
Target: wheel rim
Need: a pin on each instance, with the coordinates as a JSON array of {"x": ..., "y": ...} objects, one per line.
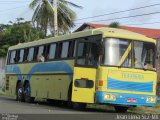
[
  {"x": 19, "y": 93},
  {"x": 27, "y": 91}
]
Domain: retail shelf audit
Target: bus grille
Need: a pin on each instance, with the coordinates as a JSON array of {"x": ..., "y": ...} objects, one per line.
[{"x": 114, "y": 84}]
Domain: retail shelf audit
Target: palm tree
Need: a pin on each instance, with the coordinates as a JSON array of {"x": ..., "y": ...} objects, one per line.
[{"x": 43, "y": 15}]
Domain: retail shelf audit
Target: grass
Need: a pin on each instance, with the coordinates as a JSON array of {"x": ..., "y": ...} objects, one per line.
[
  {"x": 139, "y": 110},
  {"x": 101, "y": 107},
  {"x": 147, "y": 110},
  {"x": 1, "y": 92}
]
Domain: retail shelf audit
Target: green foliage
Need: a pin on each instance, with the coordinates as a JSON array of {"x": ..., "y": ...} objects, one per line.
[
  {"x": 114, "y": 25},
  {"x": 3, "y": 50},
  {"x": 44, "y": 15},
  {"x": 18, "y": 32}
]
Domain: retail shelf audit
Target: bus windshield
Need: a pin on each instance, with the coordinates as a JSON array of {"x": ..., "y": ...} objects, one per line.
[{"x": 128, "y": 53}]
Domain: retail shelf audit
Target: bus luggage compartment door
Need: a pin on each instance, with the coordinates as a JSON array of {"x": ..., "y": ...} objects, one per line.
[{"x": 83, "y": 88}]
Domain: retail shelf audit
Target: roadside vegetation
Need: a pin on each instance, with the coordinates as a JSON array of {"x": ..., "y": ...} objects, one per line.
[
  {"x": 147, "y": 110},
  {"x": 22, "y": 31},
  {"x": 1, "y": 92},
  {"x": 138, "y": 110},
  {"x": 43, "y": 16},
  {"x": 17, "y": 32}
]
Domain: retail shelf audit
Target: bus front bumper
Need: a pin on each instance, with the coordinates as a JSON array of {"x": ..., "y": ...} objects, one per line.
[{"x": 125, "y": 99}]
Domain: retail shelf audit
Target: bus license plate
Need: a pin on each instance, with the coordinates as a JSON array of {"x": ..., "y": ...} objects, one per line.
[{"x": 132, "y": 100}]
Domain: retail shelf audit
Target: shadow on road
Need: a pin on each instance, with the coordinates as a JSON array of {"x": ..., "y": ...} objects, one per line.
[
  {"x": 59, "y": 105},
  {"x": 65, "y": 106}
]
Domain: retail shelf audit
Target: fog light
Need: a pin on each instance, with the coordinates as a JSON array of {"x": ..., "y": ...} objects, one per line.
[
  {"x": 106, "y": 97},
  {"x": 150, "y": 99},
  {"x": 110, "y": 97}
]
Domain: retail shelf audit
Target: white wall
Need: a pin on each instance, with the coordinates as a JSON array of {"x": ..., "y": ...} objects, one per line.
[{"x": 2, "y": 70}]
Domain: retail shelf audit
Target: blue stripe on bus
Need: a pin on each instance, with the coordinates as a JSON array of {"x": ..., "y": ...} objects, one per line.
[
  {"x": 14, "y": 69},
  {"x": 51, "y": 67},
  {"x": 42, "y": 67},
  {"x": 129, "y": 86}
]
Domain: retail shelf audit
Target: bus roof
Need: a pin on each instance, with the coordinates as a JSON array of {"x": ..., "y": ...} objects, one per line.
[{"x": 106, "y": 32}]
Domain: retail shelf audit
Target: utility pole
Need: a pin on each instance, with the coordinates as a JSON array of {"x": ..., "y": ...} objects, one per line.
[{"x": 55, "y": 4}]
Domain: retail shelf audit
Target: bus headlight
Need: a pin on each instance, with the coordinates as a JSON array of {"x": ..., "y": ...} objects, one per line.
[
  {"x": 150, "y": 99},
  {"x": 109, "y": 97}
]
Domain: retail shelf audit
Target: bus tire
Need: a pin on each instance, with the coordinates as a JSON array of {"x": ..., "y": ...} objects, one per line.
[
  {"x": 19, "y": 92},
  {"x": 70, "y": 95},
  {"x": 121, "y": 109},
  {"x": 27, "y": 93},
  {"x": 79, "y": 106}
]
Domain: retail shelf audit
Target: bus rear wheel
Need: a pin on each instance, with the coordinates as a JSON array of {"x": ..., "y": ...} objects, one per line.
[
  {"x": 27, "y": 93},
  {"x": 121, "y": 109},
  {"x": 19, "y": 92}
]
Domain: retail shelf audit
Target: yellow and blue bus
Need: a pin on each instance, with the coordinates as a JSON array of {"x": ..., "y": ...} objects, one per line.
[{"x": 100, "y": 66}]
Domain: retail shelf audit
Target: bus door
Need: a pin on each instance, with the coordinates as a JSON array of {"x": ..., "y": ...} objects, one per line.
[{"x": 84, "y": 77}]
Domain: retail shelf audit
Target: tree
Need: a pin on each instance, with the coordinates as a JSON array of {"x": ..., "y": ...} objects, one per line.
[
  {"x": 114, "y": 25},
  {"x": 44, "y": 15},
  {"x": 18, "y": 32}
]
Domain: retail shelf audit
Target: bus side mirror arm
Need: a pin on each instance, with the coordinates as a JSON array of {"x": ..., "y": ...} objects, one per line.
[{"x": 100, "y": 49}]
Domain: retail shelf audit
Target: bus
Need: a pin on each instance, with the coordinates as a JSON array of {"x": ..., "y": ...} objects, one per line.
[{"x": 99, "y": 66}]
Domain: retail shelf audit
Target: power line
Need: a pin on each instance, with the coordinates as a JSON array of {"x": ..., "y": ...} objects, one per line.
[
  {"x": 24, "y": 13},
  {"x": 132, "y": 16},
  {"x": 11, "y": 9},
  {"x": 119, "y": 11},
  {"x": 144, "y": 23},
  {"x": 14, "y": 1},
  {"x": 133, "y": 21}
]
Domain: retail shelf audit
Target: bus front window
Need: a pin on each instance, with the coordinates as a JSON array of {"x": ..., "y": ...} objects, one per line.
[
  {"x": 128, "y": 53},
  {"x": 144, "y": 53},
  {"x": 117, "y": 52}
]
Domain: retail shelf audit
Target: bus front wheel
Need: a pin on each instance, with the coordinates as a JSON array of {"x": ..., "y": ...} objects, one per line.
[
  {"x": 19, "y": 92},
  {"x": 121, "y": 109},
  {"x": 27, "y": 93}
]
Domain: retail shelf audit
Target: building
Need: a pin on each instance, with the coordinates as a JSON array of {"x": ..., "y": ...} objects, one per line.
[{"x": 152, "y": 33}]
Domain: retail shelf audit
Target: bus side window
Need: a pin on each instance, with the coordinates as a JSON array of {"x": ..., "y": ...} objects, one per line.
[
  {"x": 40, "y": 55},
  {"x": 12, "y": 57},
  {"x": 17, "y": 56},
  {"x": 64, "y": 51},
  {"x": 21, "y": 56},
  {"x": 58, "y": 50},
  {"x": 47, "y": 51},
  {"x": 30, "y": 54},
  {"x": 52, "y": 51},
  {"x": 71, "y": 49},
  {"x": 87, "y": 54},
  {"x": 75, "y": 47},
  {"x": 81, "y": 54},
  {"x": 35, "y": 54},
  {"x": 26, "y": 54}
]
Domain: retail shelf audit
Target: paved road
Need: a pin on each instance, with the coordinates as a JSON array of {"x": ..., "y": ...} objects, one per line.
[{"x": 44, "y": 110}]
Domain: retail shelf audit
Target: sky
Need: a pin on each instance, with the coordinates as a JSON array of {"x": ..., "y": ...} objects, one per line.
[{"x": 12, "y": 9}]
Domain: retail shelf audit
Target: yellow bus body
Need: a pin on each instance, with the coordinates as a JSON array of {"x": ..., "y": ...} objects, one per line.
[{"x": 55, "y": 83}]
